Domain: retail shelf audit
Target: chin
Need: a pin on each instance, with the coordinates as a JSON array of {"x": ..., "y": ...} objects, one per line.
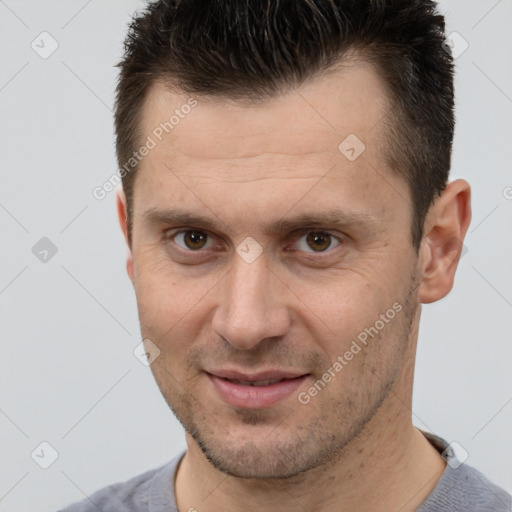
[{"x": 261, "y": 458}]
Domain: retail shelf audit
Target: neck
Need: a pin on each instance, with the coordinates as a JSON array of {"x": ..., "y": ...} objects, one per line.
[{"x": 390, "y": 465}]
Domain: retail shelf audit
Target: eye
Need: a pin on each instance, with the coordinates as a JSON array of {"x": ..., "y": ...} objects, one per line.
[
  {"x": 318, "y": 241},
  {"x": 192, "y": 240}
]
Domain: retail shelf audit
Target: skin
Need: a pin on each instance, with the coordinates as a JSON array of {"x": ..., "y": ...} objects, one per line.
[{"x": 353, "y": 446}]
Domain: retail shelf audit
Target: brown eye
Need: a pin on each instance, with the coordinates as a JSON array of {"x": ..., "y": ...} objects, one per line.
[
  {"x": 192, "y": 240},
  {"x": 316, "y": 241}
]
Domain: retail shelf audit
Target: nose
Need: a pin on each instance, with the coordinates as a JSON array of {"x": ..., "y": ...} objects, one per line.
[{"x": 252, "y": 304}]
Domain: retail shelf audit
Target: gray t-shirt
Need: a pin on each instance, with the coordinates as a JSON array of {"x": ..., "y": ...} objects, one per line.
[{"x": 461, "y": 488}]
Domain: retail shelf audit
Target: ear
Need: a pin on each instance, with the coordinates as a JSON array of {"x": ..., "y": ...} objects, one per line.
[
  {"x": 122, "y": 214},
  {"x": 445, "y": 227}
]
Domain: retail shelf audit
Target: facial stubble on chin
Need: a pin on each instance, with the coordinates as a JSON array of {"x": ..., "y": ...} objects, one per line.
[{"x": 302, "y": 446}]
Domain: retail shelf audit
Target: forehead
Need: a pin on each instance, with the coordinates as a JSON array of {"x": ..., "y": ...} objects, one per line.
[
  {"x": 311, "y": 119},
  {"x": 231, "y": 158}
]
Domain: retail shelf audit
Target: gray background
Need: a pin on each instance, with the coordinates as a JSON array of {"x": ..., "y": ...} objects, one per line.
[{"x": 69, "y": 325}]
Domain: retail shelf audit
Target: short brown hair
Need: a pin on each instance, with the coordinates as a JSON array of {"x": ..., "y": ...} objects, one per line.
[{"x": 253, "y": 49}]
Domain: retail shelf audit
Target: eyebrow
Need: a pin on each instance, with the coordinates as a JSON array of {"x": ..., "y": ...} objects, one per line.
[{"x": 333, "y": 218}]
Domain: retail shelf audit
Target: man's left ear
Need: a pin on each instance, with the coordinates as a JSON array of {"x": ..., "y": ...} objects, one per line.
[{"x": 445, "y": 227}]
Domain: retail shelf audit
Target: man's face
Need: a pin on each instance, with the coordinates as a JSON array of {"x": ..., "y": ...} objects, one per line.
[{"x": 212, "y": 303}]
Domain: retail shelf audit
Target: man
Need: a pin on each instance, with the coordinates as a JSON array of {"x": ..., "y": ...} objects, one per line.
[{"x": 287, "y": 210}]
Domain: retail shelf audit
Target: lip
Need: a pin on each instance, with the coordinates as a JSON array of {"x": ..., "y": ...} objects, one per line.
[
  {"x": 255, "y": 397},
  {"x": 254, "y": 377}
]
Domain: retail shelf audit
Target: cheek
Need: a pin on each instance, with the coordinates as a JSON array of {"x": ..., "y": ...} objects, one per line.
[
  {"x": 160, "y": 291},
  {"x": 172, "y": 308},
  {"x": 343, "y": 300},
  {"x": 343, "y": 310},
  {"x": 160, "y": 302}
]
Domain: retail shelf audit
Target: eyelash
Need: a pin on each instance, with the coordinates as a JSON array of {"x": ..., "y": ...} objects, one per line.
[{"x": 170, "y": 236}]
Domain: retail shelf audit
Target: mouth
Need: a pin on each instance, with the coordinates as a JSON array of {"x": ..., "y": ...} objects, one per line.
[
  {"x": 255, "y": 383},
  {"x": 256, "y": 391}
]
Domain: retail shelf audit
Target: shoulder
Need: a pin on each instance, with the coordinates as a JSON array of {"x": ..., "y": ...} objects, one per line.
[
  {"x": 135, "y": 494},
  {"x": 462, "y": 487},
  {"x": 483, "y": 494}
]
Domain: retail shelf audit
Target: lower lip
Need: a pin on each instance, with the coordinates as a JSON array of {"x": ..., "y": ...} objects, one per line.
[{"x": 255, "y": 397}]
